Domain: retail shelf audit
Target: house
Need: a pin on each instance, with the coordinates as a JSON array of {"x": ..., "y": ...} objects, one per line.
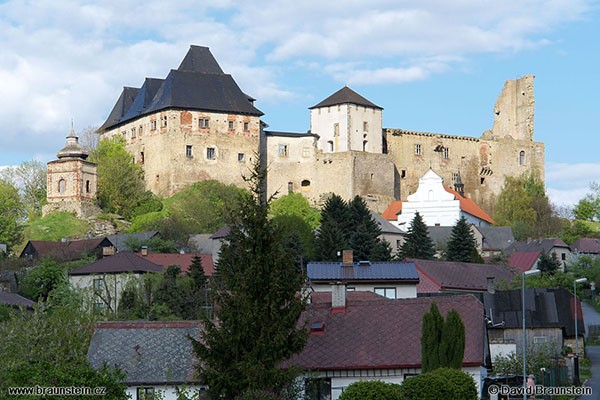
[
  {"x": 453, "y": 276},
  {"x": 490, "y": 240},
  {"x": 549, "y": 318},
  {"x": 355, "y": 340},
  {"x": 156, "y": 357},
  {"x": 437, "y": 204},
  {"x": 8, "y": 281},
  {"x": 121, "y": 240},
  {"x": 524, "y": 260},
  {"x": 107, "y": 277},
  {"x": 68, "y": 250},
  {"x": 547, "y": 246},
  {"x": 183, "y": 261},
  {"x": 391, "y": 279},
  {"x": 15, "y": 300},
  {"x": 589, "y": 246},
  {"x": 389, "y": 232}
]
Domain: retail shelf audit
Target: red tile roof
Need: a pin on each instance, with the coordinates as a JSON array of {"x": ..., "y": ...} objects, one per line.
[
  {"x": 384, "y": 333},
  {"x": 467, "y": 205},
  {"x": 119, "y": 263},
  {"x": 391, "y": 213},
  {"x": 523, "y": 261},
  {"x": 182, "y": 260},
  {"x": 436, "y": 276}
]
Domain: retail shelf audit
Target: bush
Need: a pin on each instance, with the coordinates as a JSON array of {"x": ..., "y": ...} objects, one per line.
[
  {"x": 443, "y": 383},
  {"x": 372, "y": 390}
]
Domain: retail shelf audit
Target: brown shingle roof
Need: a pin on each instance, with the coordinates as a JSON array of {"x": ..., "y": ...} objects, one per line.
[
  {"x": 119, "y": 263},
  {"x": 587, "y": 245},
  {"x": 523, "y": 261},
  {"x": 384, "y": 333},
  {"x": 64, "y": 251}
]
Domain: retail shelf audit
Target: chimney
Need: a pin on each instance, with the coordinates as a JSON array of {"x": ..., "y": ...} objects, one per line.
[
  {"x": 347, "y": 258},
  {"x": 338, "y": 298},
  {"x": 144, "y": 250},
  {"x": 491, "y": 285}
]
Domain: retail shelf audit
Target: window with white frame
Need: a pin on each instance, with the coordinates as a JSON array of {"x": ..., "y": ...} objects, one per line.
[
  {"x": 153, "y": 125},
  {"x": 203, "y": 123},
  {"x": 211, "y": 153},
  {"x": 445, "y": 153},
  {"x": 418, "y": 149},
  {"x": 283, "y": 150},
  {"x": 231, "y": 125},
  {"x": 389, "y": 292},
  {"x": 145, "y": 393}
]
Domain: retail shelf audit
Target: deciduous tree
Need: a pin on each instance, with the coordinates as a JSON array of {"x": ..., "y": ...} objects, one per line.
[{"x": 12, "y": 213}]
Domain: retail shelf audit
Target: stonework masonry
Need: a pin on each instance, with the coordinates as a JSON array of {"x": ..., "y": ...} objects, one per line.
[{"x": 181, "y": 130}]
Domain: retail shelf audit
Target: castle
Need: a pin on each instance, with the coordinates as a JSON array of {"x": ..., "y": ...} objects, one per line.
[{"x": 197, "y": 124}]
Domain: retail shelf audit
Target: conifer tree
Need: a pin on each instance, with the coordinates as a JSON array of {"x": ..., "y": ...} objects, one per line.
[
  {"x": 364, "y": 233},
  {"x": 417, "y": 243},
  {"x": 333, "y": 234},
  {"x": 200, "y": 293},
  {"x": 452, "y": 346},
  {"x": 431, "y": 337},
  {"x": 548, "y": 263},
  {"x": 462, "y": 245},
  {"x": 255, "y": 326}
]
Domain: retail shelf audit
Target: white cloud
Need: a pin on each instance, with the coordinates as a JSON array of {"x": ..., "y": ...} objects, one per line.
[{"x": 568, "y": 183}]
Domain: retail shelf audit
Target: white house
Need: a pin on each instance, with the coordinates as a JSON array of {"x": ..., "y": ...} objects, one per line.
[{"x": 438, "y": 205}]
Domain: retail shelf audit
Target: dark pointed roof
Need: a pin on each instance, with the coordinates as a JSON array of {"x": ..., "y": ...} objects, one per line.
[
  {"x": 72, "y": 149},
  {"x": 120, "y": 109},
  {"x": 198, "y": 84},
  {"x": 200, "y": 59},
  {"x": 119, "y": 263},
  {"x": 346, "y": 96}
]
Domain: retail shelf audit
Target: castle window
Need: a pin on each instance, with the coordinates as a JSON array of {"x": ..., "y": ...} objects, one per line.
[
  {"x": 124, "y": 134},
  {"x": 290, "y": 187},
  {"x": 188, "y": 151},
  {"x": 153, "y": 125},
  {"x": 231, "y": 125},
  {"x": 87, "y": 186},
  {"x": 246, "y": 125},
  {"x": 336, "y": 129},
  {"x": 482, "y": 180},
  {"x": 163, "y": 121},
  {"x": 522, "y": 158},
  {"x": 141, "y": 157},
  {"x": 306, "y": 152},
  {"x": 330, "y": 145},
  {"x": 283, "y": 150},
  {"x": 305, "y": 183},
  {"x": 403, "y": 174},
  {"x": 365, "y": 145},
  {"x": 445, "y": 153},
  {"x": 62, "y": 186},
  {"x": 418, "y": 149},
  {"x": 454, "y": 176},
  {"x": 365, "y": 126},
  {"x": 241, "y": 157},
  {"x": 203, "y": 123},
  {"x": 211, "y": 153},
  {"x": 140, "y": 130},
  {"x": 133, "y": 132}
]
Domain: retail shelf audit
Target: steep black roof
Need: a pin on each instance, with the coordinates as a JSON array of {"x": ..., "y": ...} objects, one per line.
[
  {"x": 198, "y": 84},
  {"x": 346, "y": 96}
]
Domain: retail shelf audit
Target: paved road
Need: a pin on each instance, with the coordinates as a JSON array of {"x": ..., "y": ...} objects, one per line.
[{"x": 590, "y": 317}]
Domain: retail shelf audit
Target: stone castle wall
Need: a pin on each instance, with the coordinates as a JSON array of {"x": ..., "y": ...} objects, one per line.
[
  {"x": 178, "y": 147},
  {"x": 78, "y": 180}
]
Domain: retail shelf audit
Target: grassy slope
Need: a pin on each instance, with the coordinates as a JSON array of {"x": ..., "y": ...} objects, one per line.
[{"x": 55, "y": 226}]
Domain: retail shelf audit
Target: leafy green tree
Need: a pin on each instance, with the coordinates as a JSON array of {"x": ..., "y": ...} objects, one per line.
[
  {"x": 49, "y": 348},
  {"x": 588, "y": 208},
  {"x": 12, "y": 213},
  {"x": 417, "y": 243},
  {"x": 540, "y": 355},
  {"x": 371, "y": 390},
  {"x": 549, "y": 263},
  {"x": 443, "y": 383},
  {"x": 452, "y": 346},
  {"x": 431, "y": 337},
  {"x": 256, "y": 324},
  {"x": 30, "y": 179},
  {"x": 297, "y": 205},
  {"x": 43, "y": 279},
  {"x": 121, "y": 187},
  {"x": 462, "y": 245}
]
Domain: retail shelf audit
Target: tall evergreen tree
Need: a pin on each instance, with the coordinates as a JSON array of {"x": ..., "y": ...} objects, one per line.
[
  {"x": 364, "y": 233},
  {"x": 462, "y": 245},
  {"x": 255, "y": 326},
  {"x": 431, "y": 338},
  {"x": 452, "y": 346},
  {"x": 548, "y": 263},
  {"x": 333, "y": 234},
  {"x": 417, "y": 243}
]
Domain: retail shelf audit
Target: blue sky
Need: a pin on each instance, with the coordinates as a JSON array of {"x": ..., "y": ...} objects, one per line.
[{"x": 433, "y": 65}]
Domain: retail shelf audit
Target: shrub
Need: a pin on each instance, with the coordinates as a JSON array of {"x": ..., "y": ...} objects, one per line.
[
  {"x": 443, "y": 383},
  {"x": 371, "y": 390}
]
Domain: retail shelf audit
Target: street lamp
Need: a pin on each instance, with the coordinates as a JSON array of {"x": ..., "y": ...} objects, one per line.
[
  {"x": 525, "y": 273},
  {"x": 576, "y": 358}
]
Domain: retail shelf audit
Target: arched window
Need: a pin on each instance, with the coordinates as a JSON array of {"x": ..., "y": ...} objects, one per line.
[
  {"x": 522, "y": 157},
  {"x": 62, "y": 186},
  {"x": 365, "y": 145},
  {"x": 305, "y": 185}
]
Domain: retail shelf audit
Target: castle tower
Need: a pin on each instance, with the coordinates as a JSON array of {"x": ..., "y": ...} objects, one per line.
[
  {"x": 71, "y": 181},
  {"x": 347, "y": 121},
  {"x": 514, "y": 110}
]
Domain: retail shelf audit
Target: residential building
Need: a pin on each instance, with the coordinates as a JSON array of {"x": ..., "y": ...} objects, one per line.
[
  {"x": 67, "y": 250},
  {"x": 590, "y": 246},
  {"x": 547, "y": 246},
  {"x": 156, "y": 357}
]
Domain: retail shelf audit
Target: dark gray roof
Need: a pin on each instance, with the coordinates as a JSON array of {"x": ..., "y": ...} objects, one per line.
[
  {"x": 587, "y": 245},
  {"x": 496, "y": 237},
  {"x": 119, "y": 110},
  {"x": 198, "y": 84},
  {"x": 373, "y": 271},
  {"x": 385, "y": 225},
  {"x": 119, "y": 263},
  {"x": 543, "y": 245},
  {"x": 120, "y": 240},
  {"x": 440, "y": 234},
  {"x": 147, "y": 352},
  {"x": 13, "y": 299},
  {"x": 545, "y": 308},
  {"x": 346, "y": 96}
]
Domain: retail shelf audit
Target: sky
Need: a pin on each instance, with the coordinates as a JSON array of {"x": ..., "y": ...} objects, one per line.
[{"x": 433, "y": 65}]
